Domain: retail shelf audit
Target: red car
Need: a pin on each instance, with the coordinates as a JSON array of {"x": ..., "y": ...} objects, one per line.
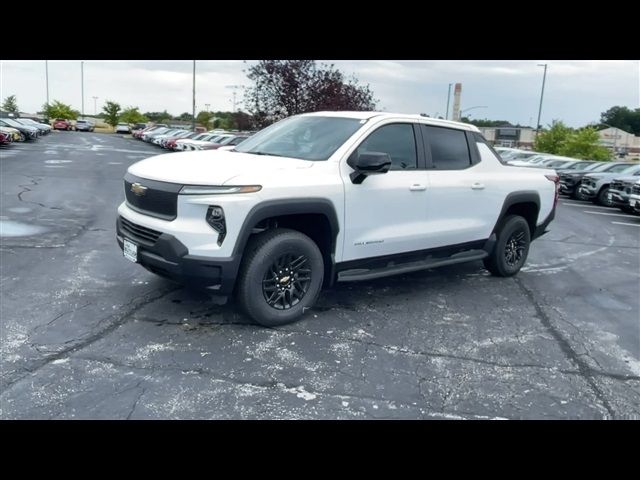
[
  {"x": 61, "y": 124},
  {"x": 5, "y": 138}
]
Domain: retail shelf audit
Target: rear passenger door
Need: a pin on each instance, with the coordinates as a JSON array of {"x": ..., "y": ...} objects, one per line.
[{"x": 460, "y": 201}]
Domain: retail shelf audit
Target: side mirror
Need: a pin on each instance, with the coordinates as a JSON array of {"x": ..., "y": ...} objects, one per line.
[{"x": 370, "y": 163}]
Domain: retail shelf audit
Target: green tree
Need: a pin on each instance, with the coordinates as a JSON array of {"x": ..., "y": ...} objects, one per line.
[
  {"x": 132, "y": 115},
  {"x": 58, "y": 109},
  {"x": 10, "y": 104},
  {"x": 551, "y": 140},
  {"x": 111, "y": 112},
  {"x": 186, "y": 117},
  {"x": 623, "y": 118},
  {"x": 158, "y": 117},
  {"x": 583, "y": 144},
  {"x": 204, "y": 118}
]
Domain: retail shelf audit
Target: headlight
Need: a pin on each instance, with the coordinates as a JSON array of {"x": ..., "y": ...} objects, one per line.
[{"x": 205, "y": 190}]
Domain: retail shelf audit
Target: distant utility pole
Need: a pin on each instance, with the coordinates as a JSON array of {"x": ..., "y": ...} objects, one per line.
[
  {"x": 95, "y": 109},
  {"x": 46, "y": 74},
  {"x": 235, "y": 88},
  {"x": 82, "y": 85},
  {"x": 448, "y": 97},
  {"x": 206, "y": 106},
  {"x": 544, "y": 78},
  {"x": 193, "y": 120}
]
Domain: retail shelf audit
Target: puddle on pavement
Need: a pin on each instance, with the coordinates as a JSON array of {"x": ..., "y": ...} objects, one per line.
[
  {"x": 19, "y": 210},
  {"x": 9, "y": 228}
]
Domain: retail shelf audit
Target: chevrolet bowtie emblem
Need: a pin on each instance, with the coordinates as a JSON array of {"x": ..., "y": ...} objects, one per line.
[{"x": 138, "y": 189}]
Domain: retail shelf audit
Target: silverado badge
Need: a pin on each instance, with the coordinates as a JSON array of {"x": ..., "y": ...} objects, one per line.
[{"x": 138, "y": 189}]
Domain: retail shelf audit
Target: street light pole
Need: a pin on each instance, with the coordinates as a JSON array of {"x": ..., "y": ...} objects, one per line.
[
  {"x": 82, "y": 85},
  {"x": 95, "y": 109},
  {"x": 193, "y": 120},
  {"x": 471, "y": 108},
  {"x": 544, "y": 78},
  {"x": 446, "y": 117},
  {"x": 46, "y": 74}
]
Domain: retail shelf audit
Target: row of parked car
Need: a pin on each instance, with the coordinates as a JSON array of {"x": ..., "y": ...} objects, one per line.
[
  {"x": 21, "y": 129},
  {"x": 610, "y": 184},
  {"x": 179, "y": 139}
]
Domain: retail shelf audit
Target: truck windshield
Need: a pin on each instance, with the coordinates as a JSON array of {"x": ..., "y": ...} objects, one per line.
[{"x": 306, "y": 138}]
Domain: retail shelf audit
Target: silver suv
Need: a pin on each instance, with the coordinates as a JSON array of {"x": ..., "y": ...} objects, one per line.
[{"x": 84, "y": 126}]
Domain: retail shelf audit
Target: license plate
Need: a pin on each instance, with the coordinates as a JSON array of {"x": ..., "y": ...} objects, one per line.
[{"x": 130, "y": 250}]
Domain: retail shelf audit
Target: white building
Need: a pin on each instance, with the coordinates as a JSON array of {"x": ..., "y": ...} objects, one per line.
[
  {"x": 510, "y": 136},
  {"x": 621, "y": 141}
]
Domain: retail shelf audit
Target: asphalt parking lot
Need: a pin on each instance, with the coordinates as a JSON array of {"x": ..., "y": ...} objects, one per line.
[{"x": 87, "y": 334}]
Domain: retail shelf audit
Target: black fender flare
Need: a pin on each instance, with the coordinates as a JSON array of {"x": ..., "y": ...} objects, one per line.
[
  {"x": 289, "y": 206},
  {"x": 514, "y": 198}
]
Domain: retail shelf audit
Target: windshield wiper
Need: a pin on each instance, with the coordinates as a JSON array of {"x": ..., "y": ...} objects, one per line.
[{"x": 266, "y": 153}]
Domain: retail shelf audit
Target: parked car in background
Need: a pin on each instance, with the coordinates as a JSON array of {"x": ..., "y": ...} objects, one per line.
[
  {"x": 595, "y": 186},
  {"x": 5, "y": 138},
  {"x": 634, "y": 197},
  {"x": 84, "y": 126},
  {"x": 16, "y": 136},
  {"x": 619, "y": 191},
  {"x": 123, "y": 128},
  {"x": 43, "y": 128},
  {"x": 231, "y": 141},
  {"x": 577, "y": 166},
  {"x": 26, "y": 132},
  {"x": 138, "y": 126},
  {"x": 62, "y": 124},
  {"x": 570, "y": 180}
]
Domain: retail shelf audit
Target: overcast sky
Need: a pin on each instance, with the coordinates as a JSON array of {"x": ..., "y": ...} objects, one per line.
[{"x": 576, "y": 91}]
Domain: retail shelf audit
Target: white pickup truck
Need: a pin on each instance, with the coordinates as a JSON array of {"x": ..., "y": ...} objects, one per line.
[{"x": 331, "y": 197}]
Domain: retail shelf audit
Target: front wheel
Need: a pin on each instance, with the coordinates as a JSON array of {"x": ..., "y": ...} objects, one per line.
[
  {"x": 603, "y": 197},
  {"x": 280, "y": 277},
  {"x": 511, "y": 249}
]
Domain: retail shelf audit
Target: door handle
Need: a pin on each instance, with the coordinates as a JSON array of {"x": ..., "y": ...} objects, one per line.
[
  {"x": 477, "y": 186},
  {"x": 416, "y": 187}
]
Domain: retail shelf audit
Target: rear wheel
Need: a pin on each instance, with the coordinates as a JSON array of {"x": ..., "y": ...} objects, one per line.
[
  {"x": 511, "y": 249},
  {"x": 281, "y": 276}
]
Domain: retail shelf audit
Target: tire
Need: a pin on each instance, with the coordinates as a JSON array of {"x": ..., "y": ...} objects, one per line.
[
  {"x": 502, "y": 262},
  {"x": 627, "y": 209},
  {"x": 602, "y": 198},
  {"x": 260, "y": 279}
]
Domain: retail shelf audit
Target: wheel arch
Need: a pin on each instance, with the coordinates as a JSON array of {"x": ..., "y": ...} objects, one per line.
[
  {"x": 525, "y": 203},
  {"x": 315, "y": 217}
]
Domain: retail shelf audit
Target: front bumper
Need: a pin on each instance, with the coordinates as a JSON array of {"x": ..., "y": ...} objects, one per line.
[
  {"x": 634, "y": 202},
  {"x": 168, "y": 257},
  {"x": 618, "y": 199},
  {"x": 587, "y": 191}
]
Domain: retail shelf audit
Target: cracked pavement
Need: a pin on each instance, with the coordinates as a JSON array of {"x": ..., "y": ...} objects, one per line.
[{"x": 86, "y": 334}]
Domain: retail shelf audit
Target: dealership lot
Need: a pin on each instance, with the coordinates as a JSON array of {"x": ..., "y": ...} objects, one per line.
[{"x": 87, "y": 334}]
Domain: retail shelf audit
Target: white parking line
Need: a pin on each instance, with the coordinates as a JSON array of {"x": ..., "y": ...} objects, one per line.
[
  {"x": 623, "y": 223},
  {"x": 584, "y": 206},
  {"x": 610, "y": 214}
]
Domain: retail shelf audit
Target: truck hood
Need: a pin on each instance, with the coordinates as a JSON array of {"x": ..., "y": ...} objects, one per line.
[{"x": 210, "y": 167}]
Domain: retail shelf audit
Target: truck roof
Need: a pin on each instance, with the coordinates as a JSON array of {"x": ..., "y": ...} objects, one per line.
[{"x": 368, "y": 115}]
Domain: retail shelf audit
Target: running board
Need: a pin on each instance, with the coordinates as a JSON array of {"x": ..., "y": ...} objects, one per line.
[{"x": 358, "y": 274}]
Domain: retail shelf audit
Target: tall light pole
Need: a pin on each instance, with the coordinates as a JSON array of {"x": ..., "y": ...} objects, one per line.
[
  {"x": 82, "y": 85},
  {"x": 448, "y": 98},
  {"x": 193, "y": 114},
  {"x": 471, "y": 108},
  {"x": 235, "y": 88},
  {"x": 95, "y": 108},
  {"x": 206, "y": 106},
  {"x": 544, "y": 78},
  {"x": 46, "y": 75}
]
